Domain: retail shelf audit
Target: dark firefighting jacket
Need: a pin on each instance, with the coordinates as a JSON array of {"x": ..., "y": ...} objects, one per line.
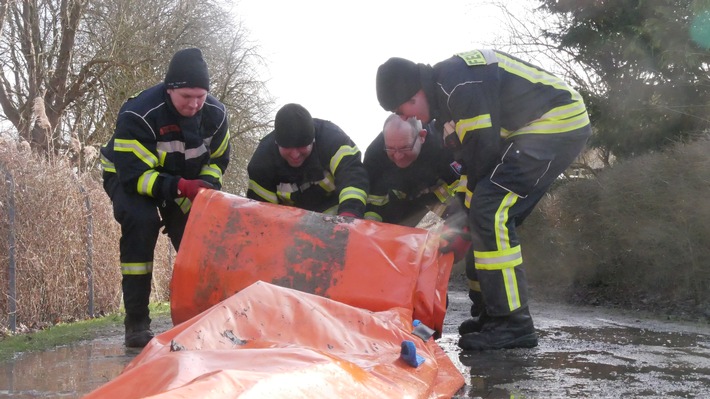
[
  {"x": 492, "y": 96},
  {"x": 153, "y": 146},
  {"x": 396, "y": 192},
  {"x": 331, "y": 180}
]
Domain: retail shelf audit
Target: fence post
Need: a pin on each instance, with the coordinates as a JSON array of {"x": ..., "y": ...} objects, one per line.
[
  {"x": 89, "y": 249},
  {"x": 12, "y": 289}
]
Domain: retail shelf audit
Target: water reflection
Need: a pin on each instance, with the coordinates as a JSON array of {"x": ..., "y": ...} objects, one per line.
[
  {"x": 65, "y": 372},
  {"x": 578, "y": 362}
]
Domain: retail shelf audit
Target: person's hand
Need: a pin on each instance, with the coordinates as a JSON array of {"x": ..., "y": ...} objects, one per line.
[
  {"x": 190, "y": 188},
  {"x": 456, "y": 241}
]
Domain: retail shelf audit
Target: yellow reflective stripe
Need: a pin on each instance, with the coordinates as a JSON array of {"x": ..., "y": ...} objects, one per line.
[
  {"x": 498, "y": 260},
  {"x": 442, "y": 192},
  {"x": 342, "y": 152},
  {"x": 378, "y": 200},
  {"x": 533, "y": 75},
  {"x": 501, "y": 218},
  {"x": 399, "y": 194},
  {"x": 222, "y": 147},
  {"x": 474, "y": 285},
  {"x": 373, "y": 216},
  {"x": 462, "y": 185},
  {"x": 267, "y": 195},
  {"x": 504, "y": 261},
  {"x": 510, "y": 281},
  {"x": 136, "y": 268},
  {"x": 212, "y": 170},
  {"x": 135, "y": 147},
  {"x": 463, "y": 126},
  {"x": 146, "y": 182},
  {"x": 184, "y": 204},
  {"x": 561, "y": 119},
  {"x": 328, "y": 182},
  {"x": 355, "y": 193},
  {"x": 161, "y": 157},
  {"x": 107, "y": 165},
  {"x": 285, "y": 197}
]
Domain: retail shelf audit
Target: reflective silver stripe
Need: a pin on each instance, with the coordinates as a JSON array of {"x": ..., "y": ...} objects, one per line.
[
  {"x": 511, "y": 288},
  {"x": 328, "y": 182},
  {"x": 179, "y": 147},
  {"x": 267, "y": 195}
]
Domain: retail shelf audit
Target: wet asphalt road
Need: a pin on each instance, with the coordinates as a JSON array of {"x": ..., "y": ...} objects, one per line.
[
  {"x": 582, "y": 353},
  {"x": 585, "y": 353}
]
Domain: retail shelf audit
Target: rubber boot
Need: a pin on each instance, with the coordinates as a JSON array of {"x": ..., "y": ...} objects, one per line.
[
  {"x": 512, "y": 331},
  {"x": 138, "y": 332},
  {"x": 478, "y": 314},
  {"x": 136, "y": 295}
]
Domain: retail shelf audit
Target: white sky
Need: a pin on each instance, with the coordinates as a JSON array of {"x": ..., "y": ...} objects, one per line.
[{"x": 324, "y": 54}]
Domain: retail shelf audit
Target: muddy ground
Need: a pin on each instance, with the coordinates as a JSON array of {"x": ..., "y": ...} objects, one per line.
[{"x": 584, "y": 352}]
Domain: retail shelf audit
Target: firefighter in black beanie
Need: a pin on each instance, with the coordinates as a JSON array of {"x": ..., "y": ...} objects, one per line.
[
  {"x": 308, "y": 163},
  {"x": 171, "y": 140}
]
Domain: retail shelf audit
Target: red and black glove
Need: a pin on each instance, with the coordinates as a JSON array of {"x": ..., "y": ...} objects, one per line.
[
  {"x": 457, "y": 241},
  {"x": 190, "y": 188}
]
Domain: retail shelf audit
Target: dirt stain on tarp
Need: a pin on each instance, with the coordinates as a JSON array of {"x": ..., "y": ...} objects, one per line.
[{"x": 318, "y": 254}]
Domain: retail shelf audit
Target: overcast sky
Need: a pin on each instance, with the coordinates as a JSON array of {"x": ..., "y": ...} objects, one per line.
[{"x": 324, "y": 54}]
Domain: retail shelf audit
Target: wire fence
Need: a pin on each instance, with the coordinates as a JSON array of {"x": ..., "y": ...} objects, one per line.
[{"x": 59, "y": 246}]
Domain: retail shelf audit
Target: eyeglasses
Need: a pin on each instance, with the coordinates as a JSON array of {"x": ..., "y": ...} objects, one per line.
[{"x": 392, "y": 151}]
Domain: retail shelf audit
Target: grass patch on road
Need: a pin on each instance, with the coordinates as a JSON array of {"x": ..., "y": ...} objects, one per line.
[{"x": 68, "y": 333}]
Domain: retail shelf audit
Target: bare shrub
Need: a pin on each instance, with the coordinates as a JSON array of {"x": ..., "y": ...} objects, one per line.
[
  {"x": 63, "y": 227},
  {"x": 636, "y": 236}
]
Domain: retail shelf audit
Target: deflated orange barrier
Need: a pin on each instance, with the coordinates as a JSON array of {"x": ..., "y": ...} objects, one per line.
[
  {"x": 231, "y": 242},
  {"x": 273, "y": 342}
]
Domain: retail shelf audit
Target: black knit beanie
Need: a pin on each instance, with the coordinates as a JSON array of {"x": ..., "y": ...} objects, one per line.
[
  {"x": 397, "y": 81},
  {"x": 293, "y": 126},
  {"x": 187, "y": 69}
]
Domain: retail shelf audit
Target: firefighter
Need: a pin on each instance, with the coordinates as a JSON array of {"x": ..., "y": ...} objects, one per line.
[
  {"x": 515, "y": 129},
  {"x": 308, "y": 163},
  {"x": 170, "y": 141},
  {"x": 410, "y": 173}
]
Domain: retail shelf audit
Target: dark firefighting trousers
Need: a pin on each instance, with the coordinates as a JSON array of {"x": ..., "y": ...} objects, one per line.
[
  {"x": 141, "y": 218},
  {"x": 529, "y": 164}
]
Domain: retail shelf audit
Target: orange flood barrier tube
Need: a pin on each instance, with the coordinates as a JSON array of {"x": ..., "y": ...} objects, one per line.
[
  {"x": 230, "y": 242},
  {"x": 273, "y": 342}
]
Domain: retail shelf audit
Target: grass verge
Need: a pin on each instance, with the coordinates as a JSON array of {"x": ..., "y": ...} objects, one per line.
[{"x": 68, "y": 333}]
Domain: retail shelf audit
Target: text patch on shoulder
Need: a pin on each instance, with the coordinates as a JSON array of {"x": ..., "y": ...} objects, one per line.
[{"x": 473, "y": 57}]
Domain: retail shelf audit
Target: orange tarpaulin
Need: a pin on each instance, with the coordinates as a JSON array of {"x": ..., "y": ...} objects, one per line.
[
  {"x": 276, "y": 302},
  {"x": 231, "y": 242},
  {"x": 273, "y": 342}
]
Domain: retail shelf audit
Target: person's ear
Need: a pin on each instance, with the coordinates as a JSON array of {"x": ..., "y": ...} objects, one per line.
[{"x": 422, "y": 135}]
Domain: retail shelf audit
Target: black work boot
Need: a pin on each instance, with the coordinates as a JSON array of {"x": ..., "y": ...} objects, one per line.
[
  {"x": 513, "y": 331},
  {"x": 478, "y": 314},
  {"x": 474, "y": 324},
  {"x": 138, "y": 332}
]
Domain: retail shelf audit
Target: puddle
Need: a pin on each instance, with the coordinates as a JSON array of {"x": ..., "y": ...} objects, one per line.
[{"x": 64, "y": 372}]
